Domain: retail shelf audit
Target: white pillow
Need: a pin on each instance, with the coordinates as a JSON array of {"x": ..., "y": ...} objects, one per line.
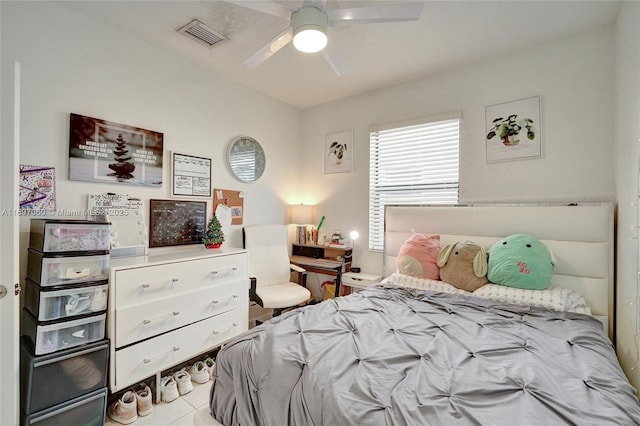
[{"x": 554, "y": 297}]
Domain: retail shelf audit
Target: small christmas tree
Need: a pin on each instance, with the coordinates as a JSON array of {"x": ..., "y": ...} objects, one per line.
[{"x": 214, "y": 236}]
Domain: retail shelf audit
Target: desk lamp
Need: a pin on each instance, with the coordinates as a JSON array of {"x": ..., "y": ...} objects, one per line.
[
  {"x": 354, "y": 236},
  {"x": 301, "y": 215}
]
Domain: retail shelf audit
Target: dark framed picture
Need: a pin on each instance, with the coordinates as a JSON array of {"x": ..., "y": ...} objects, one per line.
[
  {"x": 176, "y": 222},
  {"x": 108, "y": 152}
]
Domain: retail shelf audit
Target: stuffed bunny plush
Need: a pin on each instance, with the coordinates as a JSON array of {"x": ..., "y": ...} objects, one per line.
[{"x": 463, "y": 265}]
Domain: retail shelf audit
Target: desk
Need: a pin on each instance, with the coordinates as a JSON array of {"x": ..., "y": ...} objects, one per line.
[{"x": 320, "y": 266}]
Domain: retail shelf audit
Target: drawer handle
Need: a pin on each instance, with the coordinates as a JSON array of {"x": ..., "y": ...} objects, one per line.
[
  {"x": 171, "y": 281},
  {"x": 224, "y": 330},
  {"x": 148, "y": 321},
  {"x": 148, "y": 360},
  {"x": 228, "y": 271},
  {"x": 216, "y": 301}
]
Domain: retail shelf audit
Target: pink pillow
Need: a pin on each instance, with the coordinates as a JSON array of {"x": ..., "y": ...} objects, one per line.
[{"x": 418, "y": 256}]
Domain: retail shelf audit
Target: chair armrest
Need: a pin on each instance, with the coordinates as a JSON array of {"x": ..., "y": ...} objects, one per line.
[
  {"x": 297, "y": 268},
  {"x": 302, "y": 274},
  {"x": 253, "y": 295}
]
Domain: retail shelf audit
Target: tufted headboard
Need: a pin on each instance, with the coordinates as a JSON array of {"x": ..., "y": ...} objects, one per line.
[{"x": 580, "y": 236}]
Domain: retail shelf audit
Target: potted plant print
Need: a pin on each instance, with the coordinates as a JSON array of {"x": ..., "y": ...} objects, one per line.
[
  {"x": 338, "y": 149},
  {"x": 508, "y": 129}
]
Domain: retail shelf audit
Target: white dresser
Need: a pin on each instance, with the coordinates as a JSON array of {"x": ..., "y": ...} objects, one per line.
[{"x": 172, "y": 305}]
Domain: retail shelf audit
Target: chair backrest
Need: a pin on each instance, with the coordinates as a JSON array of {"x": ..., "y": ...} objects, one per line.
[{"x": 268, "y": 249}]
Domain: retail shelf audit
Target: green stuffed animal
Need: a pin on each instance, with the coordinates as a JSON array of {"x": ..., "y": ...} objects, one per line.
[{"x": 521, "y": 261}]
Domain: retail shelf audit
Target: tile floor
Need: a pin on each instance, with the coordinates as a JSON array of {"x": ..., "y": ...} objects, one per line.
[{"x": 191, "y": 409}]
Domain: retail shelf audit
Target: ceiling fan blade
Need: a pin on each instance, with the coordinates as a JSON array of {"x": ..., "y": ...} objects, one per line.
[
  {"x": 335, "y": 58},
  {"x": 318, "y": 4},
  {"x": 266, "y": 51},
  {"x": 374, "y": 14},
  {"x": 264, "y": 6}
]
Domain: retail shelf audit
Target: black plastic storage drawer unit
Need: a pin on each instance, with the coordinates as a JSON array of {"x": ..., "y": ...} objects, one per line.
[
  {"x": 87, "y": 410},
  {"x": 55, "y": 303},
  {"x": 53, "y": 336},
  {"x": 49, "y": 380},
  {"x": 58, "y": 270},
  {"x": 59, "y": 235}
]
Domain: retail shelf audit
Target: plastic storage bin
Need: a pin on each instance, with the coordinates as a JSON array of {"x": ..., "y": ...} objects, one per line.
[
  {"x": 52, "y": 303},
  {"x": 87, "y": 410},
  {"x": 51, "y": 235},
  {"x": 52, "y": 337},
  {"x": 48, "y": 270},
  {"x": 52, "y": 379}
]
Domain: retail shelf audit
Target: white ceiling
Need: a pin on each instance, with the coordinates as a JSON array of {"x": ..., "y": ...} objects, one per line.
[{"x": 448, "y": 34}]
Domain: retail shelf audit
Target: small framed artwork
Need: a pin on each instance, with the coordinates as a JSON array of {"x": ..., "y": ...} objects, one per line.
[
  {"x": 338, "y": 152},
  {"x": 512, "y": 130},
  {"x": 190, "y": 175}
]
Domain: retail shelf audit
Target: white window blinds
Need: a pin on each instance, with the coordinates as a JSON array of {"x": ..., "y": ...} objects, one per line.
[{"x": 412, "y": 163}]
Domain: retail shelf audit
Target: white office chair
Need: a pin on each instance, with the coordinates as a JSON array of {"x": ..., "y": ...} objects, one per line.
[{"x": 270, "y": 270}]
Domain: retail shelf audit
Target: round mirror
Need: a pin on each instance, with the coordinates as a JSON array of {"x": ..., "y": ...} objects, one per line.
[{"x": 246, "y": 158}]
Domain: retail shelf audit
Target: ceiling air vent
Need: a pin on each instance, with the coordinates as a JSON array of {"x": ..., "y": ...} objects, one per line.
[{"x": 201, "y": 33}]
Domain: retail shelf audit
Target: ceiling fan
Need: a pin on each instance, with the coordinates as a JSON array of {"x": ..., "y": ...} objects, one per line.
[{"x": 308, "y": 26}]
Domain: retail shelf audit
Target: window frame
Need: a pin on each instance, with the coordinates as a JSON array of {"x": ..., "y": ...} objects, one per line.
[{"x": 406, "y": 192}]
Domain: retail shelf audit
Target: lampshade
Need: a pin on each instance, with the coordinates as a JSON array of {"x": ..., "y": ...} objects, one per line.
[
  {"x": 310, "y": 38},
  {"x": 301, "y": 214},
  {"x": 309, "y": 29}
]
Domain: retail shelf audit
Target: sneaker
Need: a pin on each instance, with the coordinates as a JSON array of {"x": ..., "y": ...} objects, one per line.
[
  {"x": 145, "y": 400},
  {"x": 209, "y": 362},
  {"x": 199, "y": 372},
  {"x": 168, "y": 389},
  {"x": 184, "y": 381},
  {"x": 124, "y": 410}
]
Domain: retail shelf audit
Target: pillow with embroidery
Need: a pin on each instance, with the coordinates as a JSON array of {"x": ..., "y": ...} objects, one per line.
[{"x": 521, "y": 261}]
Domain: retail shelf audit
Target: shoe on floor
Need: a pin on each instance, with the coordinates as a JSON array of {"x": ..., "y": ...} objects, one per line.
[
  {"x": 183, "y": 379},
  {"x": 168, "y": 389},
  {"x": 124, "y": 410},
  {"x": 145, "y": 401},
  {"x": 199, "y": 372},
  {"x": 210, "y": 363}
]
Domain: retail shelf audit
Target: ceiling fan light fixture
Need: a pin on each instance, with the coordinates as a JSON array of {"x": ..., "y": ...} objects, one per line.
[
  {"x": 309, "y": 29},
  {"x": 310, "y": 39}
]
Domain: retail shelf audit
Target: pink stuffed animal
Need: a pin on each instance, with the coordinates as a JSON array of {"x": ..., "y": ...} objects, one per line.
[{"x": 418, "y": 255}]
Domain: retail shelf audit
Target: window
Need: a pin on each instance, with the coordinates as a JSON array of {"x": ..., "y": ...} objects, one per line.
[{"x": 412, "y": 163}]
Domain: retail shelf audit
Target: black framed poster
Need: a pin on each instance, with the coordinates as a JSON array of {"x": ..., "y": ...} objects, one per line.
[
  {"x": 176, "y": 222},
  {"x": 108, "y": 152}
]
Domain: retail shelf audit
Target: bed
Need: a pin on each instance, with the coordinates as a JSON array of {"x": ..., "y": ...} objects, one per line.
[{"x": 414, "y": 352}]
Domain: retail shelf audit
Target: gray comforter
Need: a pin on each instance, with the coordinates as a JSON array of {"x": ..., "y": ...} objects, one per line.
[{"x": 395, "y": 356}]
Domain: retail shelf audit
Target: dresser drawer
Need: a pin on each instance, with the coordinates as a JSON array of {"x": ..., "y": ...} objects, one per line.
[
  {"x": 147, "y": 283},
  {"x": 138, "y": 322},
  {"x": 145, "y": 359}
]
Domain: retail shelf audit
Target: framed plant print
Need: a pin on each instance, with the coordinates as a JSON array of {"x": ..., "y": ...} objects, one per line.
[
  {"x": 338, "y": 152},
  {"x": 512, "y": 130}
]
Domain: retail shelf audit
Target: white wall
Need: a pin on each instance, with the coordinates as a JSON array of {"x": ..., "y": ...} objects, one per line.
[
  {"x": 573, "y": 76},
  {"x": 71, "y": 63},
  {"x": 627, "y": 154}
]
